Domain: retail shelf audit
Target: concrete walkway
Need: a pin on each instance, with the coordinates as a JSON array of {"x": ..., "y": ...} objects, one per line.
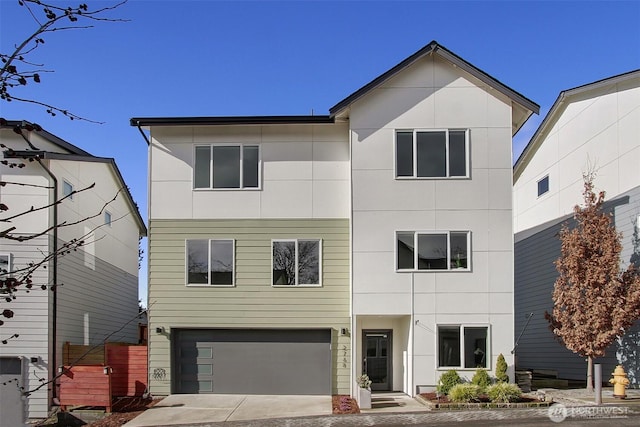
[{"x": 387, "y": 409}]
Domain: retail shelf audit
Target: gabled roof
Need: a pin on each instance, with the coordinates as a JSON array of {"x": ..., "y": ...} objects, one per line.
[
  {"x": 77, "y": 154},
  {"x": 436, "y": 48},
  {"x": 564, "y": 98},
  {"x": 527, "y": 107}
]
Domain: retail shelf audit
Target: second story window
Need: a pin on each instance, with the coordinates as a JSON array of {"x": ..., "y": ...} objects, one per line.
[
  {"x": 67, "y": 190},
  {"x": 107, "y": 218},
  {"x": 210, "y": 262},
  {"x": 433, "y": 250},
  {"x": 296, "y": 262},
  {"x": 543, "y": 186},
  {"x": 227, "y": 166},
  {"x": 432, "y": 154}
]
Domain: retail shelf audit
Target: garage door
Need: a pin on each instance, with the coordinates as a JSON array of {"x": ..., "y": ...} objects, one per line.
[{"x": 256, "y": 361}]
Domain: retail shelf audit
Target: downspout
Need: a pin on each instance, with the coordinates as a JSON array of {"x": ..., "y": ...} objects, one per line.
[
  {"x": 54, "y": 273},
  {"x": 143, "y": 134}
]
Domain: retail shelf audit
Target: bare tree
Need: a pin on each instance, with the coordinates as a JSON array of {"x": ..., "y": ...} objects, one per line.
[
  {"x": 18, "y": 70},
  {"x": 594, "y": 301}
]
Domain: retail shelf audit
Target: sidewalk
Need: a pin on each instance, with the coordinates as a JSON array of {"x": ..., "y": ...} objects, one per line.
[{"x": 410, "y": 414}]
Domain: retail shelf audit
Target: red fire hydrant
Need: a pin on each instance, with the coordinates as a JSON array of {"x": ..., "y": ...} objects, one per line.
[{"x": 620, "y": 382}]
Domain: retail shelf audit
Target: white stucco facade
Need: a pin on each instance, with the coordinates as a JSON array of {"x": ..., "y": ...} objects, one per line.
[{"x": 431, "y": 94}]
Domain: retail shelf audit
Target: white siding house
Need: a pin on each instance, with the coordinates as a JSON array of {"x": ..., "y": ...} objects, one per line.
[
  {"x": 407, "y": 182},
  {"x": 590, "y": 128},
  {"x": 96, "y": 293}
]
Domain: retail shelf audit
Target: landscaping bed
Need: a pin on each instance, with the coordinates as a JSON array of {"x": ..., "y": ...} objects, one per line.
[
  {"x": 344, "y": 404},
  {"x": 433, "y": 401}
]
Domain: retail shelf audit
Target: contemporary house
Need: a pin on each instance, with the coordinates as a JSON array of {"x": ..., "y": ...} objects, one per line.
[
  {"x": 590, "y": 128},
  {"x": 96, "y": 296},
  {"x": 290, "y": 254}
]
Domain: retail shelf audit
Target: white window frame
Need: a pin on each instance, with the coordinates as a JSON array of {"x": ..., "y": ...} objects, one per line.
[
  {"x": 538, "y": 186},
  {"x": 417, "y": 233},
  {"x": 227, "y": 144},
  {"x": 108, "y": 218},
  {"x": 298, "y": 285},
  {"x": 209, "y": 284},
  {"x": 461, "y": 327},
  {"x": 66, "y": 184},
  {"x": 415, "y": 151}
]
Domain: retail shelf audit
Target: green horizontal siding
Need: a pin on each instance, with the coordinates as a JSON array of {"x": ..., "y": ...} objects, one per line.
[{"x": 252, "y": 302}]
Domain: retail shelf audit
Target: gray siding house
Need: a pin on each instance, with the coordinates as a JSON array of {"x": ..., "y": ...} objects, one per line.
[{"x": 589, "y": 128}]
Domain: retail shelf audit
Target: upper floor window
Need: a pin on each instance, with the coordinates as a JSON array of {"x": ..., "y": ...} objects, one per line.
[
  {"x": 227, "y": 166},
  {"x": 210, "y": 262},
  {"x": 296, "y": 262},
  {"x": 447, "y": 250},
  {"x": 67, "y": 190},
  {"x": 107, "y": 218},
  {"x": 543, "y": 185},
  {"x": 432, "y": 153}
]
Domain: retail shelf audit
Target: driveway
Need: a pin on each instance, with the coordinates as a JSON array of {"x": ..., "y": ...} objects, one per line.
[{"x": 208, "y": 408}]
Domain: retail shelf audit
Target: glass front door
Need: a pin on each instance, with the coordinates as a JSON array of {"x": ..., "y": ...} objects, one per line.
[{"x": 377, "y": 358}]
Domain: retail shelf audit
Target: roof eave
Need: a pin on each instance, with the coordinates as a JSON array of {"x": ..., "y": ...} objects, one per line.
[{"x": 229, "y": 120}]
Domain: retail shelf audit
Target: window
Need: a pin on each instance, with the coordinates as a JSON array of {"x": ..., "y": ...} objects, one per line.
[
  {"x": 432, "y": 154},
  {"x": 210, "y": 262},
  {"x": 296, "y": 262},
  {"x": 227, "y": 166},
  {"x": 67, "y": 190},
  {"x": 543, "y": 185},
  {"x": 448, "y": 250},
  {"x": 463, "y": 347},
  {"x": 107, "y": 218},
  {"x": 6, "y": 281}
]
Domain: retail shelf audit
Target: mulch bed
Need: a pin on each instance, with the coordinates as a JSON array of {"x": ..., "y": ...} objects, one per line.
[
  {"x": 344, "y": 404},
  {"x": 124, "y": 410},
  {"x": 443, "y": 402}
]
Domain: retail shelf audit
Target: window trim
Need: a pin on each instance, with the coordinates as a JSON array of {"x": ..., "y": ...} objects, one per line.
[
  {"x": 461, "y": 327},
  {"x": 209, "y": 284},
  {"x": 447, "y": 160},
  {"x": 227, "y": 144},
  {"x": 538, "y": 185},
  {"x": 297, "y": 285},
  {"x": 417, "y": 233}
]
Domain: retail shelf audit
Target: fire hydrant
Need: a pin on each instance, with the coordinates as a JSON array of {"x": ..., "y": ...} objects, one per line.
[{"x": 620, "y": 382}]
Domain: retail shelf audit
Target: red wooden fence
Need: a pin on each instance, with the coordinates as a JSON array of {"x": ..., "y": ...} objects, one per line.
[
  {"x": 123, "y": 373},
  {"x": 129, "y": 369},
  {"x": 85, "y": 386}
]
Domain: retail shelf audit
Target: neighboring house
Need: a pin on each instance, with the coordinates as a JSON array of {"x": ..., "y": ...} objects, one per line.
[
  {"x": 97, "y": 293},
  {"x": 595, "y": 127},
  {"x": 290, "y": 254}
]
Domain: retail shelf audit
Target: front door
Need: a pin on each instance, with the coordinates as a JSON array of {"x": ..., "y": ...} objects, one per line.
[{"x": 377, "y": 358}]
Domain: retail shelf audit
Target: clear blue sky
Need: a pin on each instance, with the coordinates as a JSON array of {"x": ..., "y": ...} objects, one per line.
[{"x": 208, "y": 58}]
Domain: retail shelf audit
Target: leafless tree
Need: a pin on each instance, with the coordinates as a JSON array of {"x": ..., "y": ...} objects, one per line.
[{"x": 17, "y": 68}]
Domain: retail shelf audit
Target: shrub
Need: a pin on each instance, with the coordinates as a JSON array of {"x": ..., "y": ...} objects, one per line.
[
  {"x": 464, "y": 393},
  {"x": 447, "y": 381},
  {"x": 481, "y": 379},
  {"x": 364, "y": 381},
  {"x": 501, "y": 370},
  {"x": 504, "y": 392}
]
